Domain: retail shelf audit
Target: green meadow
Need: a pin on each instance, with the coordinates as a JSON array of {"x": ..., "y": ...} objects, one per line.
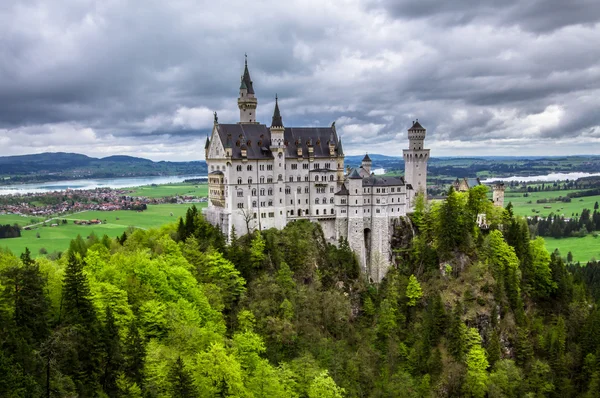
[
  {"x": 114, "y": 223},
  {"x": 583, "y": 249},
  {"x": 160, "y": 191},
  {"x": 13, "y": 219},
  {"x": 522, "y": 207}
]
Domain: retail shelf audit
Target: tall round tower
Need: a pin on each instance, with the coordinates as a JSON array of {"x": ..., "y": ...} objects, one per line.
[{"x": 415, "y": 161}]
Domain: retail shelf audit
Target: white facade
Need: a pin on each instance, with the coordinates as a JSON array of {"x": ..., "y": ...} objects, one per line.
[{"x": 261, "y": 178}]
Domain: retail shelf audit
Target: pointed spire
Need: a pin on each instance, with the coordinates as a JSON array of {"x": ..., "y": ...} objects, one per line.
[
  {"x": 246, "y": 77},
  {"x": 276, "y": 122},
  {"x": 207, "y": 143},
  {"x": 366, "y": 158},
  {"x": 339, "y": 148},
  {"x": 243, "y": 84}
]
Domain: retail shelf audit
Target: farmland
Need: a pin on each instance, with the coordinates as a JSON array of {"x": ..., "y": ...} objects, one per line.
[
  {"x": 161, "y": 191},
  {"x": 57, "y": 238},
  {"x": 522, "y": 207},
  {"x": 583, "y": 249}
]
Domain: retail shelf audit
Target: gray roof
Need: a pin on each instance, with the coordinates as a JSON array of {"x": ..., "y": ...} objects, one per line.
[
  {"x": 246, "y": 79},
  {"x": 382, "y": 181},
  {"x": 354, "y": 175},
  {"x": 257, "y": 137},
  {"x": 343, "y": 191},
  {"x": 276, "y": 121},
  {"x": 416, "y": 126},
  {"x": 366, "y": 158}
]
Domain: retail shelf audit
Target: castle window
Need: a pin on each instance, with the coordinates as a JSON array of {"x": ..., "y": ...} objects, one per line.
[
  {"x": 305, "y": 166},
  {"x": 280, "y": 177},
  {"x": 253, "y": 191},
  {"x": 317, "y": 178},
  {"x": 261, "y": 167},
  {"x": 330, "y": 200},
  {"x": 343, "y": 201},
  {"x": 332, "y": 211},
  {"x": 254, "y": 215},
  {"x": 269, "y": 167},
  {"x": 254, "y": 203},
  {"x": 306, "y": 177},
  {"x": 317, "y": 212},
  {"x": 212, "y": 168},
  {"x": 240, "y": 194},
  {"x": 292, "y": 212},
  {"x": 249, "y": 180},
  {"x": 270, "y": 203},
  {"x": 239, "y": 180},
  {"x": 298, "y": 178},
  {"x": 377, "y": 211},
  {"x": 270, "y": 192},
  {"x": 271, "y": 214},
  {"x": 240, "y": 205},
  {"x": 262, "y": 192},
  {"x": 306, "y": 189},
  {"x": 330, "y": 189},
  {"x": 294, "y": 166},
  {"x": 331, "y": 177},
  {"x": 292, "y": 201},
  {"x": 262, "y": 180},
  {"x": 317, "y": 201},
  {"x": 249, "y": 167},
  {"x": 378, "y": 201},
  {"x": 393, "y": 189},
  {"x": 299, "y": 190},
  {"x": 327, "y": 165},
  {"x": 288, "y": 191},
  {"x": 238, "y": 168},
  {"x": 291, "y": 179}
]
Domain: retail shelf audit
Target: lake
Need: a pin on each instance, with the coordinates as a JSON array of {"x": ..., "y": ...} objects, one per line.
[
  {"x": 543, "y": 178},
  {"x": 92, "y": 184}
]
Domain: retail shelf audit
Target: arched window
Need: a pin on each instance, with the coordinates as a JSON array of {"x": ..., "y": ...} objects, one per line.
[
  {"x": 253, "y": 191},
  {"x": 317, "y": 212},
  {"x": 249, "y": 180},
  {"x": 316, "y": 201},
  {"x": 249, "y": 167},
  {"x": 332, "y": 211},
  {"x": 330, "y": 200},
  {"x": 317, "y": 178},
  {"x": 279, "y": 177},
  {"x": 239, "y": 180},
  {"x": 292, "y": 212},
  {"x": 324, "y": 201},
  {"x": 254, "y": 203},
  {"x": 299, "y": 190},
  {"x": 331, "y": 177}
]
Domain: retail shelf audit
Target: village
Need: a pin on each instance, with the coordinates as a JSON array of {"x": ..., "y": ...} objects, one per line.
[{"x": 58, "y": 203}]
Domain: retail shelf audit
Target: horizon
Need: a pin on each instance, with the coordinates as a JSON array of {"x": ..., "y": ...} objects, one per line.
[{"x": 491, "y": 78}]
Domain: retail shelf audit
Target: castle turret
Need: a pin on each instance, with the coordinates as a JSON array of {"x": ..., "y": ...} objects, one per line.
[
  {"x": 366, "y": 164},
  {"x": 415, "y": 160},
  {"x": 247, "y": 102},
  {"x": 356, "y": 225},
  {"x": 278, "y": 150}
]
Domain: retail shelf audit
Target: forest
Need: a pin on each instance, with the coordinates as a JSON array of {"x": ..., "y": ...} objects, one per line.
[
  {"x": 9, "y": 231},
  {"x": 179, "y": 312}
]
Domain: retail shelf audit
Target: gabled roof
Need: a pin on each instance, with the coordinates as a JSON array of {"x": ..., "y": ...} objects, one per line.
[
  {"x": 257, "y": 138},
  {"x": 383, "y": 181},
  {"x": 343, "y": 191}
]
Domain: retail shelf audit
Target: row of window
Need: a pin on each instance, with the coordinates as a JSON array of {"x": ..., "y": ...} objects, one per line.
[
  {"x": 261, "y": 167},
  {"x": 380, "y": 190}
]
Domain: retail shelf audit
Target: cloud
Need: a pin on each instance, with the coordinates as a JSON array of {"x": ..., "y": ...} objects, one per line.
[{"x": 485, "y": 77}]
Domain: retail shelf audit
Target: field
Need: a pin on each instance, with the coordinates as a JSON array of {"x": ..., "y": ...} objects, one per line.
[
  {"x": 20, "y": 220},
  {"x": 583, "y": 249},
  {"x": 522, "y": 208},
  {"x": 159, "y": 191},
  {"x": 58, "y": 238}
]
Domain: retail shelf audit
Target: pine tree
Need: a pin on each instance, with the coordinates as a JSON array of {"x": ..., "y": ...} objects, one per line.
[
  {"x": 134, "y": 355},
  {"x": 456, "y": 333},
  {"x": 76, "y": 296},
  {"x": 112, "y": 358},
  {"x": 182, "y": 383}
]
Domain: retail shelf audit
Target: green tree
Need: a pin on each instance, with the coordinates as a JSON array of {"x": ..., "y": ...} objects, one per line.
[
  {"x": 477, "y": 364},
  {"x": 323, "y": 386},
  {"x": 413, "y": 291},
  {"x": 111, "y": 364},
  {"x": 134, "y": 355},
  {"x": 181, "y": 381},
  {"x": 257, "y": 251}
]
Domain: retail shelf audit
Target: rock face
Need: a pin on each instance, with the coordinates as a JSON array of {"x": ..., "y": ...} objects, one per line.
[{"x": 402, "y": 233}]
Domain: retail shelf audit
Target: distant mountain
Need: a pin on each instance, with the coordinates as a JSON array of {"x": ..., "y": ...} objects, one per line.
[{"x": 57, "y": 166}]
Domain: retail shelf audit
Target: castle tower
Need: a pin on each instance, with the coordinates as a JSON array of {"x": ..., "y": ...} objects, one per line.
[
  {"x": 366, "y": 164},
  {"x": 278, "y": 149},
  {"x": 415, "y": 160},
  {"x": 356, "y": 224},
  {"x": 498, "y": 194},
  {"x": 247, "y": 101}
]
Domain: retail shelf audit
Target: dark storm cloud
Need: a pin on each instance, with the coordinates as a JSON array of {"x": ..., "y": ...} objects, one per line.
[
  {"x": 539, "y": 16},
  {"x": 104, "y": 77}
]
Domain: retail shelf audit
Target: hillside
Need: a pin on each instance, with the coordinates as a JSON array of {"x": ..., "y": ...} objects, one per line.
[
  {"x": 178, "y": 312},
  {"x": 61, "y": 166}
]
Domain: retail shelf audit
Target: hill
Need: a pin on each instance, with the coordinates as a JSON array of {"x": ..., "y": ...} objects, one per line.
[{"x": 57, "y": 166}]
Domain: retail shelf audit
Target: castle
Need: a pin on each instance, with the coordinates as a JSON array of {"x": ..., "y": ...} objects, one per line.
[{"x": 265, "y": 177}]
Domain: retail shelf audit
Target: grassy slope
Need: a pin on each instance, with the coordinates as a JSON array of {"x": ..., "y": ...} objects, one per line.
[
  {"x": 522, "y": 208},
  {"x": 160, "y": 191},
  {"x": 583, "y": 249},
  {"x": 58, "y": 238}
]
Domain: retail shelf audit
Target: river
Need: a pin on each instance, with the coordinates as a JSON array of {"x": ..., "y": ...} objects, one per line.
[{"x": 92, "y": 184}]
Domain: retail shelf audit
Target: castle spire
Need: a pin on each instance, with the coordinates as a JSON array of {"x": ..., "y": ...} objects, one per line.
[
  {"x": 247, "y": 102},
  {"x": 246, "y": 80},
  {"x": 276, "y": 121}
]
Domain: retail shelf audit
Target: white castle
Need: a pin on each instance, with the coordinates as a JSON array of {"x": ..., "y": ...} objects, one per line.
[{"x": 265, "y": 177}]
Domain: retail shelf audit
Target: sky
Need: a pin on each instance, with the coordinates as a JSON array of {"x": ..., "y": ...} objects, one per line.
[{"x": 142, "y": 78}]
